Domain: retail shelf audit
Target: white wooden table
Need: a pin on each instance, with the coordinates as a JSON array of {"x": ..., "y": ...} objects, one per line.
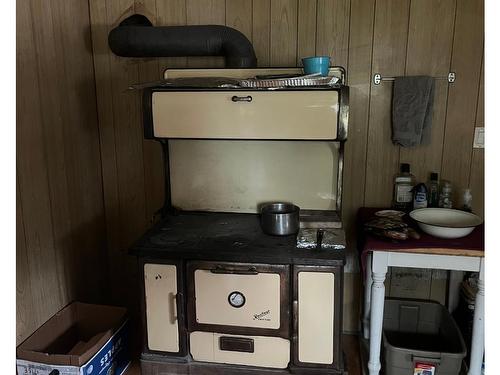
[{"x": 445, "y": 259}]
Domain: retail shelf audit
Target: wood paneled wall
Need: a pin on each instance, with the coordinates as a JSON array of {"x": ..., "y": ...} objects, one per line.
[
  {"x": 390, "y": 37},
  {"x": 77, "y": 160},
  {"x": 61, "y": 243}
]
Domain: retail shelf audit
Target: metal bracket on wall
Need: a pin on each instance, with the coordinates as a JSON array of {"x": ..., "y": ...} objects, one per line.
[{"x": 377, "y": 78}]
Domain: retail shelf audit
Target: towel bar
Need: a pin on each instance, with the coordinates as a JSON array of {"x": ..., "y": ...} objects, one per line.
[{"x": 377, "y": 78}]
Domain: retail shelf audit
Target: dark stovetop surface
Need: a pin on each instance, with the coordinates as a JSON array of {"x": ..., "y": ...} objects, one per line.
[{"x": 226, "y": 237}]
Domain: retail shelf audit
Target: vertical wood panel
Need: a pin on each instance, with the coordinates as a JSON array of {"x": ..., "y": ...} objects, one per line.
[
  {"x": 462, "y": 99},
  {"x": 104, "y": 91},
  {"x": 171, "y": 13},
  {"x": 128, "y": 137},
  {"x": 358, "y": 68},
  {"x": 26, "y": 321},
  {"x": 261, "y": 30},
  {"x": 53, "y": 111},
  {"x": 154, "y": 176},
  {"x": 60, "y": 229},
  {"x": 239, "y": 16},
  {"x": 332, "y": 37},
  {"x": 389, "y": 52},
  {"x": 32, "y": 174},
  {"x": 476, "y": 181},
  {"x": 430, "y": 38},
  {"x": 206, "y": 12},
  {"x": 283, "y": 33},
  {"x": 480, "y": 98},
  {"x": 83, "y": 172},
  {"x": 306, "y": 34}
]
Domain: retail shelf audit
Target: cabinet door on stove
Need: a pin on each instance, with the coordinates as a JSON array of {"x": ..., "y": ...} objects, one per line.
[
  {"x": 317, "y": 315},
  {"x": 160, "y": 292}
]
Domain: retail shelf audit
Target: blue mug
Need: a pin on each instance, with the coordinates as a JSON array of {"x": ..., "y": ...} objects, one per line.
[{"x": 316, "y": 64}]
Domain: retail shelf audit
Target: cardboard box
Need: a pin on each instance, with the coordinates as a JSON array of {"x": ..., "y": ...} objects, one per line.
[{"x": 81, "y": 339}]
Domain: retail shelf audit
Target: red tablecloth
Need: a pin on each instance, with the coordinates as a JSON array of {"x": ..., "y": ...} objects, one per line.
[{"x": 367, "y": 242}]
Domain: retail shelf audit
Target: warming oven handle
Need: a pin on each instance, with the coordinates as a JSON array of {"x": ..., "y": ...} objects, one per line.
[
  {"x": 222, "y": 270},
  {"x": 247, "y": 98}
]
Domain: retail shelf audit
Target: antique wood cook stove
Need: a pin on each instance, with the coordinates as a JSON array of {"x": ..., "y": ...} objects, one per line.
[{"x": 219, "y": 295}]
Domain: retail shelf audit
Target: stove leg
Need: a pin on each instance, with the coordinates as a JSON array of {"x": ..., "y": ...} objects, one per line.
[
  {"x": 477, "y": 344},
  {"x": 379, "y": 267},
  {"x": 368, "y": 295}
]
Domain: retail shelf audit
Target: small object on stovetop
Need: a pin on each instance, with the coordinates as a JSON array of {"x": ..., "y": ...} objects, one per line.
[
  {"x": 280, "y": 219},
  {"x": 320, "y": 239}
]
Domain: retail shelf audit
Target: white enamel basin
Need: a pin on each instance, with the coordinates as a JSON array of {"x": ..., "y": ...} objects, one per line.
[{"x": 445, "y": 222}]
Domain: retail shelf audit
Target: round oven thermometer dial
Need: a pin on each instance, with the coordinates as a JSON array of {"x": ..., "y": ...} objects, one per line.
[{"x": 236, "y": 299}]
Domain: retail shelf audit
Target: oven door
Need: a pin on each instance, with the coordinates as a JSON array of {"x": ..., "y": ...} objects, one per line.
[{"x": 238, "y": 298}]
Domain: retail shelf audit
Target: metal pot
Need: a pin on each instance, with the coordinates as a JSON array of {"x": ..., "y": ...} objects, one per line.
[{"x": 280, "y": 219}]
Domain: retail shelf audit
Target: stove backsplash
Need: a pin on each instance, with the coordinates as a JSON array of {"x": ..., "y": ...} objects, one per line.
[{"x": 237, "y": 176}]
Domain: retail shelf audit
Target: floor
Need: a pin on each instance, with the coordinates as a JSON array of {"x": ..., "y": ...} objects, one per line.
[{"x": 351, "y": 349}]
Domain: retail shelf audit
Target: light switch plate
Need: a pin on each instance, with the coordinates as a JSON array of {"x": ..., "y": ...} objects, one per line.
[{"x": 479, "y": 137}]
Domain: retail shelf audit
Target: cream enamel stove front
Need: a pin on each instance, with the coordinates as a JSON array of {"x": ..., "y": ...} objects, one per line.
[
  {"x": 271, "y": 316},
  {"x": 232, "y": 307},
  {"x": 219, "y": 295}
]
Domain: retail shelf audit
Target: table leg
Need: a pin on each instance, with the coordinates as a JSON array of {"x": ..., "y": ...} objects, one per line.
[
  {"x": 477, "y": 344},
  {"x": 368, "y": 295},
  {"x": 379, "y": 267}
]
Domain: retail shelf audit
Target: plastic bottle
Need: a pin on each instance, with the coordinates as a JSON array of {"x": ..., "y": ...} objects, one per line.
[
  {"x": 419, "y": 196},
  {"x": 433, "y": 191},
  {"x": 403, "y": 184},
  {"x": 445, "y": 198},
  {"x": 467, "y": 200}
]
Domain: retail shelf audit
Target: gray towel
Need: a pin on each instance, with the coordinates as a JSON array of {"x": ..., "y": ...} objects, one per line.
[{"x": 412, "y": 101}]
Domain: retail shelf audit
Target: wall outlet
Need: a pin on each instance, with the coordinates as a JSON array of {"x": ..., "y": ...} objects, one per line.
[{"x": 479, "y": 138}]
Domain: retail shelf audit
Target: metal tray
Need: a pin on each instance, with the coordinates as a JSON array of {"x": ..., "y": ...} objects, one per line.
[{"x": 300, "y": 81}]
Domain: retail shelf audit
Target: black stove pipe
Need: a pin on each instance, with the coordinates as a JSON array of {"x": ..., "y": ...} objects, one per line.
[{"x": 137, "y": 37}]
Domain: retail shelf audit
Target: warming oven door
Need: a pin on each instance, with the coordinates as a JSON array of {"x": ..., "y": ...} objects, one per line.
[
  {"x": 239, "y": 298},
  {"x": 281, "y": 114}
]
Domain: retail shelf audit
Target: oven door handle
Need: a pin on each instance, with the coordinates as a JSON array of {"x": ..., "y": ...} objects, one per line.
[
  {"x": 173, "y": 306},
  {"x": 223, "y": 270}
]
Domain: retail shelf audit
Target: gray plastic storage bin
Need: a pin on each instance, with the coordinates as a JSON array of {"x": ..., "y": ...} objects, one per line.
[{"x": 417, "y": 331}]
